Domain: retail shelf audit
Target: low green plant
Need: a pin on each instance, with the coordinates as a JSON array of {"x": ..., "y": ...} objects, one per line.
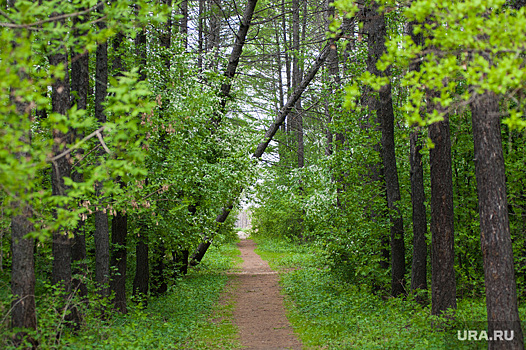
[
  {"x": 177, "y": 320},
  {"x": 329, "y": 312}
]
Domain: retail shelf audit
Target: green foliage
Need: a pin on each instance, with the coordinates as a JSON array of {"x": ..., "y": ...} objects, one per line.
[
  {"x": 331, "y": 313},
  {"x": 173, "y": 321}
]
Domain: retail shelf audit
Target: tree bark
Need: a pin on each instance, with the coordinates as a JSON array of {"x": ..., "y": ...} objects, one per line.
[
  {"x": 443, "y": 284},
  {"x": 101, "y": 234},
  {"x": 23, "y": 314},
  {"x": 374, "y": 26},
  {"x": 183, "y": 27},
  {"x": 142, "y": 270},
  {"x": 23, "y": 306},
  {"x": 495, "y": 237},
  {"x": 419, "y": 263},
  {"x": 61, "y": 272},
  {"x": 119, "y": 232},
  {"x": 79, "y": 96},
  {"x": 158, "y": 282}
]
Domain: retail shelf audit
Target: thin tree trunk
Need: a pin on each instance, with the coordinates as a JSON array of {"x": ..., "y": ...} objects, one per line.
[
  {"x": 119, "y": 223},
  {"x": 101, "y": 234},
  {"x": 419, "y": 265},
  {"x": 497, "y": 250},
  {"x": 183, "y": 28},
  {"x": 142, "y": 269},
  {"x": 79, "y": 90}
]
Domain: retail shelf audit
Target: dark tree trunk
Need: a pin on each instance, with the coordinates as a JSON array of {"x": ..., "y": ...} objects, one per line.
[
  {"x": 374, "y": 26},
  {"x": 79, "y": 92},
  {"x": 61, "y": 167},
  {"x": 23, "y": 307},
  {"x": 141, "y": 281},
  {"x": 181, "y": 262},
  {"x": 419, "y": 265},
  {"x": 184, "y": 21},
  {"x": 200, "y": 28},
  {"x": 119, "y": 232},
  {"x": 443, "y": 284},
  {"x": 233, "y": 60},
  {"x": 158, "y": 282},
  {"x": 23, "y": 314},
  {"x": 497, "y": 251},
  {"x": 101, "y": 234},
  {"x": 119, "y": 223},
  {"x": 142, "y": 270},
  {"x": 296, "y": 117}
]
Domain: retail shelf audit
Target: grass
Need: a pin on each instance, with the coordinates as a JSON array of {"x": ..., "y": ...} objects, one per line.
[
  {"x": 329, "y": 313},
  {"x": 188, "y": 316}
]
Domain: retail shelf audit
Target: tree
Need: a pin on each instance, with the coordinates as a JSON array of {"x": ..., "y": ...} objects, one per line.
[
  {"x": 374, "y": 27},
  {"x": 495, "y": 238}
]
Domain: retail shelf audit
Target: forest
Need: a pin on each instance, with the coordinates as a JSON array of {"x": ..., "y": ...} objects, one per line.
[{"x": 378, "y": 147}]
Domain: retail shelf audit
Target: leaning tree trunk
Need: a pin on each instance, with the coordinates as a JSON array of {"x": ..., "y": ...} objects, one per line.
[{"x": 495, "y": 237}]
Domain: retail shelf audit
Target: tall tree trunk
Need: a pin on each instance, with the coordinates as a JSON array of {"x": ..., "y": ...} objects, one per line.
[
  {"x": 419, "y": 264},
  {"x": 23, "y": 307},
  {"x": 497, "y": 251},
  {"x": 296, "y": 118},
  {"x": 61, "y": 167},
  {"x": 183, "y": 27},
  {"x": 119, "y": 223},
  {"x": 101, "y": 234},
  {"x": 375, "y": 28},
  {"x": 443, "y": 284},
  {"x": 200, "y": 29},
  {"x": 142, "y": 269},
  {"x": 79, "y": 91}
]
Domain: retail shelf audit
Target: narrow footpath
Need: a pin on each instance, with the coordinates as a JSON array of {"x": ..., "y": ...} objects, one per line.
[{"x": 259, "y": 313}]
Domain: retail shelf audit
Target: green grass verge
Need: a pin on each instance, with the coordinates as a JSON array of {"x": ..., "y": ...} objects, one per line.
[
  {"x": 185, "y": 318},
  {"x": 329, "y": 313}
]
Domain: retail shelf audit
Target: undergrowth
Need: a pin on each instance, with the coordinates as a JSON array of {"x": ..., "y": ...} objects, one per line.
[
  {"x": 178, "y": 320},
  {"x": 329, "y": 313}
]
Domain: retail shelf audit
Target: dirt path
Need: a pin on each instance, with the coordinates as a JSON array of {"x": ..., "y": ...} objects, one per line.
[{"x": 259, "y": 313}]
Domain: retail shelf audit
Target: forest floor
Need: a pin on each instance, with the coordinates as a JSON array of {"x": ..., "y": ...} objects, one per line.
[{"x": 259, "y": 313}]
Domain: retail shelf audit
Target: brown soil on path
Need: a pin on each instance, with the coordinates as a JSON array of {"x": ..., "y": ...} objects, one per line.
[{"x": 259, "y": 313}]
